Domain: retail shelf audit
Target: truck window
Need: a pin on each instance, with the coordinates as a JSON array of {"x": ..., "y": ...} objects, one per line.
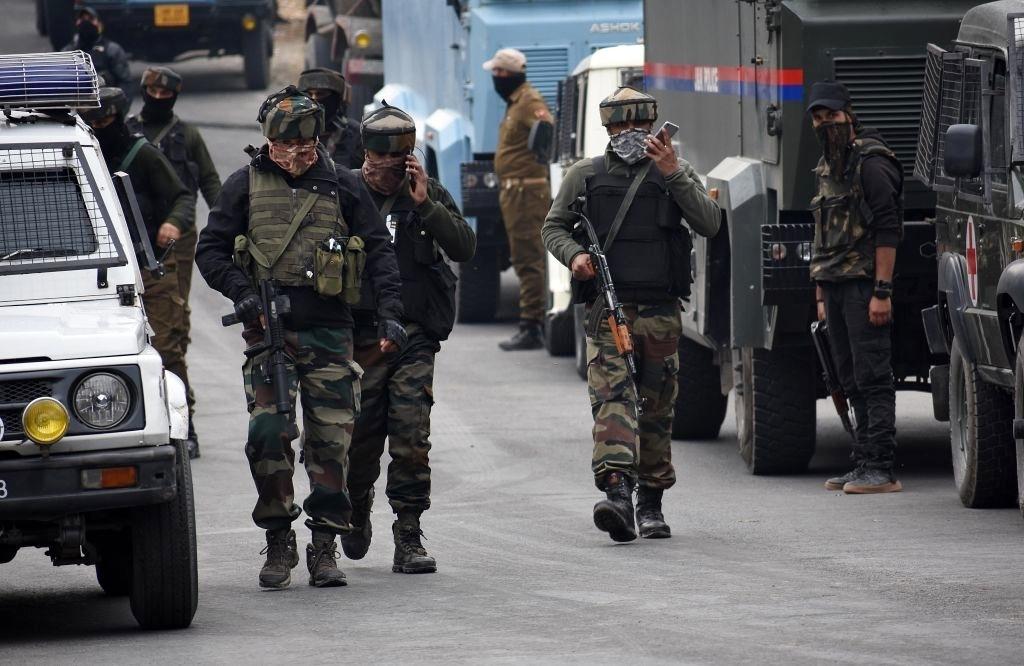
[
  {"x": 997, "y": 124},
  {"x": 632, "y": 77},
  {"x": 43, "y": 215}
]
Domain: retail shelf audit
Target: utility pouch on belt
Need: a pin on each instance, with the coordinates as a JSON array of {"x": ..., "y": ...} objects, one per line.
[
  {"x": 242, "y": 257},
  {"x": 355, "y": 263},
  {"x": 329, "y": 266}
]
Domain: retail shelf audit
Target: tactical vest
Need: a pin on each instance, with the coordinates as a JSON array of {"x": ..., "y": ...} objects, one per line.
[
  {"x": 428, "y": 283},
  {"x": 171, "y": 142},
  {"x": 650, "y": 257},
  {"x": 844, "y": 246},
  {"x": 272, "y": 206}
]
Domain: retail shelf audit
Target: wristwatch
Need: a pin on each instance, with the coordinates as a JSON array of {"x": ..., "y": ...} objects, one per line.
[{"x": 883, "y": 290}]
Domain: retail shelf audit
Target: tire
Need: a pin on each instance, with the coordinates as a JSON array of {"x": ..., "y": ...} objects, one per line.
[
  {"x": 775, "y": 409},
  {"x": 700, "y": 406},
  {"x": 60, "y": 22},
  {"x": 560, "y": 333},
  {"x": 114, "y": 568},
  {"x": 579, "y": 326},
  {"x": 479, "y": 287},
  {"x": 256, "y": 55},
  {"x": 981, "y": 437},
  {"x": 165, "y": 588},
  {"x": 41, "y": 26},
  {"x": 1018, "y": 413}
]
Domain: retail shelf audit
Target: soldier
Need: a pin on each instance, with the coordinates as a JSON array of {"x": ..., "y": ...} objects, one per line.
[
  {"x": 649, "y": 261},
  {"x": 109, "y": 59},
  {"x": 185, "y": 149},
  {"x": 287, "y": 216},
  {"x": 858, "y": 225},
  {"x": 398, "y": 388},
  {"x": 524, "y": 146},
  {"x": 167, "y": 207},
  {"x": 330, "y": 90}
]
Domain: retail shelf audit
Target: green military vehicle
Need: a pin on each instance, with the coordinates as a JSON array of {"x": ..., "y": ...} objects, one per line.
[
  {"x": 736, "y": 81},
  {"x": 971, "y": 154}
]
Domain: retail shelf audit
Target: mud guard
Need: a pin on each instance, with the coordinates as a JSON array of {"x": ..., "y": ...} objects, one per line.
[
  {"x": 177, "y": 406},
  {"x": 953, "y": 285},
  {"x": 1010, "y": 292}
]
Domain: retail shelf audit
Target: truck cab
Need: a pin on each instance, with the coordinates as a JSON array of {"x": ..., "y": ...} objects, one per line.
[{"x": 93, "y": 466}]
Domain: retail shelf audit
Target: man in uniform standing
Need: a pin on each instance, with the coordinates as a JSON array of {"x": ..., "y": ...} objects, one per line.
[
  {"x": 289, "y": 216},
  {"x": 649, "y": 260},
  {"x": 185, "y": 149},
  {"x": 398, "y": 388},
  {"x": 858, "y": 225},
  {"x": 341, "y": 138},
  {"x": 109, "y": 59},
  {"x": 167, "y": 207},
  {"x": 521, "y": 163}
]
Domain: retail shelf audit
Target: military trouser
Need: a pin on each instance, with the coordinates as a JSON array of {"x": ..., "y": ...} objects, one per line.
[
  {"x": 397, "y": 394},
  {"x": 320, "y": 367},
  {"x": 863, "y": 356},
  {"x": 164, "y": 310},
  {"x": 640, "y": 450},
  {"x": 523, "y": 209},
  {"x": 185, "y": 254}
]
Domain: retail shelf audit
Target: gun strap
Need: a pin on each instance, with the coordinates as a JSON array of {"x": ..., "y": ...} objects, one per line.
[
  {"x": 620, "y": 215},
  {"x": 130, "y": 157},
  {"x": 300, "y": 215},
  {"x": 165, "y": 131},
  {"x": 389, "y": 203}
]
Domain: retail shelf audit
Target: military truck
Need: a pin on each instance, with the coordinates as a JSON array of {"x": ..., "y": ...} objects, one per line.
[
  {"x": 93, "y": 464},
  {"x": 433, "y": 56},
  {"x": 346, "y": 36},
  {"x": 736, "y": 83},
  {"x": 970, "y": 153}
]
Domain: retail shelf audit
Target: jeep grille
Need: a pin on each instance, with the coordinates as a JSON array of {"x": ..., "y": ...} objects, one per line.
[{"x": 14, "y": 395}]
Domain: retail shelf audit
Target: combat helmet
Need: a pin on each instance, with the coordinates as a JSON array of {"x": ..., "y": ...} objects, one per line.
[
  {"x": 162, "y": 77},
  {"x": 388, "y": 130},
  {"x": 323, "y": 78},
  {"x": 289, "y": 114},
  {"x": 628, "y": 104},
  {"x": 113, "y": 102}
]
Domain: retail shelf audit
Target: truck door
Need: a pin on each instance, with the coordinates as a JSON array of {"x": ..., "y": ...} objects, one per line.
[{"x": 758, "y": 78}]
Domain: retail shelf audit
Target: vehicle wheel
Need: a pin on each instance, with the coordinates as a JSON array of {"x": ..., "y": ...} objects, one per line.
[
  {"x": 700, "y": 405},
  {"x": 257, "y": 57},
  {"x": 775, "y": 409},
  {"x": 7, "y": 553},
  {"x": 165, "y": 587},
  {"x": 1018, "y": 413},
  {"x": 60, "y": 22},
  {"x": 560, "y": 333},
  {"x": 114, "y": 568},
  {"x": 579, "y": 315},
  {"x": 981, "y": 436},
  {"x": 479, "y": 287},
  {"x": 41, "y": 17}
]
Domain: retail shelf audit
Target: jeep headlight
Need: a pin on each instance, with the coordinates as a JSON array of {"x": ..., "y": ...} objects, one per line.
[
  {"x": 102, "y": 400},
  {"x": 45, "y": 421}
]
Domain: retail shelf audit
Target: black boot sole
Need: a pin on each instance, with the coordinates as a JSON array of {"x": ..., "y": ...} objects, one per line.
[
  {"x": 414, "y": 568},
  {"x": 268, "y": 585},
  {"x": 607, "y": 519},
  {"x": 328, "y": 583},
  {"x": 655, "y": 532}
]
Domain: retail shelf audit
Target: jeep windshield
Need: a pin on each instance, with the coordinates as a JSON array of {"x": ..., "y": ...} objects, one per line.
[{"x": 49, "y": 217}]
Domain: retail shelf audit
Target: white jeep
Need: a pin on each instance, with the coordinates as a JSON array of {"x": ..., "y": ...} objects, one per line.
[{"x": 92, "y": 464}]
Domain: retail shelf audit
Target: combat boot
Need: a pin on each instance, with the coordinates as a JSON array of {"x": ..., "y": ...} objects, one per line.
[
  {"x": 869, "y": 481},
  {"x": 282, "y": 556},
  {"x": 649, "y": 519},
  {"x": 192, "y": 441},
  {"x": 410, "y": 555},
  {"x": 357, "y": 542},
  {"x": 614, "y": 515},
  {"x": 529, "y": 336},
  {"x": 837, "y": 482},
  {"x": 321, "y": 560}
]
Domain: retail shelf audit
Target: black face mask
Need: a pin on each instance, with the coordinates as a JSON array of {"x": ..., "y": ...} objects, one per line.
[
  {"x": 157, "y": 110},
  {"x": 113, "y": 137},
  {"x": 88, "y": 33},
  {"x": 836, "y": 141},
  {"x": 506, "y": 85},
  {"x": 332, "y": 106}
]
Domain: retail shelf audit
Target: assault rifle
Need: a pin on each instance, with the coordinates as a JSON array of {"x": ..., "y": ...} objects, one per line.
[
  {"x": 275, "y": 370},
  {"x": 819, "y": 333},
  {"x": 612, "y": 308}
]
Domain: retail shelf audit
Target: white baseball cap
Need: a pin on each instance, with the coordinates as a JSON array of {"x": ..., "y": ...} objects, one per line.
[{"x": 512, "y": 60}]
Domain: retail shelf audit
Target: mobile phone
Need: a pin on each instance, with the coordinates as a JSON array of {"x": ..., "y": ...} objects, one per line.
[{"x": 669, "y": 130}]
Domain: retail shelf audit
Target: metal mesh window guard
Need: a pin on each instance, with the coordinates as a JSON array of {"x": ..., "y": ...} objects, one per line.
[
  {"x": 50, "y": 216},
  {"x": 1016, "y": 64},
  {"x": 924, "y": 163},
  {"x": 949, "y": 113},
  {"x": 971, "y": 115}
]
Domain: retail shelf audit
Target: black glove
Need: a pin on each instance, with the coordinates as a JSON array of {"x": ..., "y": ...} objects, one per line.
[
  {"x": 393, "y": 331},
  {"x": 248, "y": 309}
]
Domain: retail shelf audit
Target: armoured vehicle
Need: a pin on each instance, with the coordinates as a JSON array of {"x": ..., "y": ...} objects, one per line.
[
  {"x": 345, "y": 35},
  {"x": 736, "y": 84},
  {"x": 93, "y": 466},
  {"x": 433, "y": 56},
  {"x": 161, "y": 31},
  {"x": 970, "y": 153}
]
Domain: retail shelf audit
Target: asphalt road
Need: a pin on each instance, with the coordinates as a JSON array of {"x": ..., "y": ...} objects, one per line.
[{"x": 762, "y": 570}]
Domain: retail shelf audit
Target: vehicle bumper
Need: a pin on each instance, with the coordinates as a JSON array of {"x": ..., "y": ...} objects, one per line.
[{"x": 48, "y": 488}]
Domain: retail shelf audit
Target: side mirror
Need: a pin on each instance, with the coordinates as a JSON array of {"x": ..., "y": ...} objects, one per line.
[{"x": 963, "y": 153}]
